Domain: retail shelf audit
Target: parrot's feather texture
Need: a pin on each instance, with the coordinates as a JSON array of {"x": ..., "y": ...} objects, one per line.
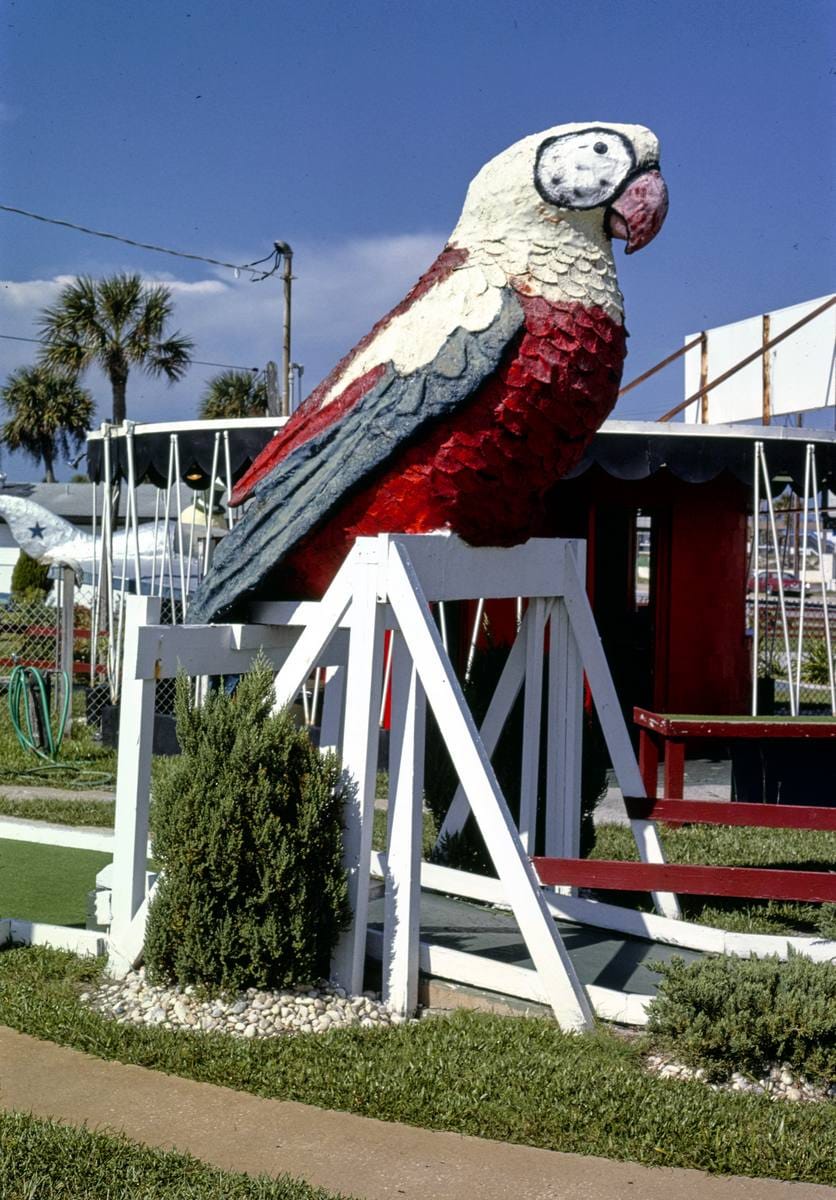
[{"x": 318, "y": 475}]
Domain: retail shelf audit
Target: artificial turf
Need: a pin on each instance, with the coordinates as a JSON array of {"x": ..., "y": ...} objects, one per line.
[{"x": 47, "y": 883}]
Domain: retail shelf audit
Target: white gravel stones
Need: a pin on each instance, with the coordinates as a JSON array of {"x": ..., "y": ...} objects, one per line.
[
  {"x": 779, "y": 1083},
  {"x": 253, "y": 1014}
]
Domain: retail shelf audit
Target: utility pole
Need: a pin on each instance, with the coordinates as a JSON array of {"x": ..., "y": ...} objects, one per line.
[{"x": 287, "y": 275}]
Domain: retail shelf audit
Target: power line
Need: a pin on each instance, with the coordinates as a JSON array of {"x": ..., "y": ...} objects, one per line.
[
  {"x": 194, "y": 362},
  {"x": 257, "y": 276}
]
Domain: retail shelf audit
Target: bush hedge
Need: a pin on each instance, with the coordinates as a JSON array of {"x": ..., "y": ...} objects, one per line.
[
  {"x": 727, "y": 1014},
  {"x": 30, "y": 578},
  {"x": 247, "y": 828}
]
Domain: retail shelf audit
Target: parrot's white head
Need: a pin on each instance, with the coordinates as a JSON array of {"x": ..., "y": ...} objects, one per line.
[{"x": 545, "y": 210}]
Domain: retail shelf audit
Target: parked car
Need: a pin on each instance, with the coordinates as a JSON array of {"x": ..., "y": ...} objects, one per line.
[{"x": 792, "y": 584}]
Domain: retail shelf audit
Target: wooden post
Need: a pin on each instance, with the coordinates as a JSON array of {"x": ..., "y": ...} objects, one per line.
[
  {"x": 133, "y": 784},
  {"x": 401, "y": 924},
  {"x": 766, "y": 373},
  {"x": 703, "y": 377},
  {"x": 67, "y": 629},
  {"x": 565, "y": 726},
  {"x": 364, "y": 682},
  {"x": 532, "y": 708}
]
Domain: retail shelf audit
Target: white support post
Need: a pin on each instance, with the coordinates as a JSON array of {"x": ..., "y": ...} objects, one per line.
[
  {"x": 565, "y": 736},
  {"x": 561, "y": 985},
  {"x": 613, "y": 727},
  {"x": 401, "y": 923},
  {"x": 532, "y": 709},
  {"x": 133, "y": 785},
  {"x": 364, "y": 677}
]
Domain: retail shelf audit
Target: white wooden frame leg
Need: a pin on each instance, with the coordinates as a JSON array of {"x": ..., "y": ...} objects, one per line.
[
  {"x": 532, "y": 710},
  {"x": 561, "y": 985},
  {"x": 565, "y": 740},
  {"x": 402, "y": 906},
  {"x": 133, "y": 787},
  {"x": 364, "y": 681}
]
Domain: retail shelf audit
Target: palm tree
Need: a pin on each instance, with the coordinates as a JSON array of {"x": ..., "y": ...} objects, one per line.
[
  {"x": 233, "y": 394},
  {"x": 48, "y": 415},
  {"x": 115, "y": 323}
]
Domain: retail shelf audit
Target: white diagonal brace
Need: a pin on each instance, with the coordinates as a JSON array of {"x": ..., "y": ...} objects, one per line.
[
  {"x": 557, "y": 974},
  {"x": 502, "y": 701}
]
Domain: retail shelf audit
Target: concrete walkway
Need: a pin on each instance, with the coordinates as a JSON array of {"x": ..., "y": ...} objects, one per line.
[
  {"x": 19, "y": 791},
  {"x": 358, "y": 1156}
]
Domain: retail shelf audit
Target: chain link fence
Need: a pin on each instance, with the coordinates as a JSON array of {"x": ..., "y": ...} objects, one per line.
[{"x": 777, "y": 671}]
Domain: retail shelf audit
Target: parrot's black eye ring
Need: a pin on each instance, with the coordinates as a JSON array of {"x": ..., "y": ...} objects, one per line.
[{"x": 600, "y": 147}]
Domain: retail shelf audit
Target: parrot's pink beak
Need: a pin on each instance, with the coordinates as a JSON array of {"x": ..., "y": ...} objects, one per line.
[{"x": 639, "y": 212}]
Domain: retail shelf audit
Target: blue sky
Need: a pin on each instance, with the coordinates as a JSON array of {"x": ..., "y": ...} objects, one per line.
[{"x": 352, "y": 130}]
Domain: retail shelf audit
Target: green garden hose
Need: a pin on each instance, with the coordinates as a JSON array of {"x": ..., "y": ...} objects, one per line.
[{"x": 30, "y": 715}]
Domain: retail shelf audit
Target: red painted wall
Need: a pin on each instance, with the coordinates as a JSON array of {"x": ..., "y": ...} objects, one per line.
[{"x": 701, "y": 652}]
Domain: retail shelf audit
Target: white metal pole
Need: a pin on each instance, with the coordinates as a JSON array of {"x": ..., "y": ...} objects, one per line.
[
  {"x": 133, "y": 513},
  {"x": 802, "y": 597},
  {"x": 183, "y": 596},
  {"x": 756, "y": 554},
  {"x": 474, "y": 637},
  {"x": 824, "y": 599},
  {"x": 210, "y": 502},
  {"x": 781, "y": 599},
  {"x": 228, "y": 465}
]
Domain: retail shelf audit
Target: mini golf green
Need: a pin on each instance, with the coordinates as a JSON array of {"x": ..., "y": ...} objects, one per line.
[{"x": 47, "y": 883}]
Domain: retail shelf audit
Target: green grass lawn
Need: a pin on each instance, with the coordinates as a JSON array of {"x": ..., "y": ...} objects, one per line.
[
  {"x": 515, "y": 1079},
  {"x": 43, "y": 1160},
  {"x": 47, "y": 883},
  {"x": 82, "y": 760}
]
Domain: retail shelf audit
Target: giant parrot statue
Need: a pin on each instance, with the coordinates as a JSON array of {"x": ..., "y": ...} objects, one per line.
[{"x": 464, "y": 405}]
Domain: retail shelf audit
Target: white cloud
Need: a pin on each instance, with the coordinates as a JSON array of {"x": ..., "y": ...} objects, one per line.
[{"x": 340, "y": 289}]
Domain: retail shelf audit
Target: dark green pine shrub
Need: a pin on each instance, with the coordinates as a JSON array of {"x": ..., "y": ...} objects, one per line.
[
  {"x": 30, "y": 578},
  {"x": 727, "y": 1014},
  {"x": 247, "y": 826}
]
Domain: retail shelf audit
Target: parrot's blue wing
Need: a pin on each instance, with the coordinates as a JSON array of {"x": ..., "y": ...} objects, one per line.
[{"x": 307, "y": 487}]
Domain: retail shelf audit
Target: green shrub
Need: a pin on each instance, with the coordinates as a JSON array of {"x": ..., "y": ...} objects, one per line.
[
  {"x": 814, "y": 667},
  {"x": 248, "y": 837},
  {"x": 30, "y": 578},
  {"x": 727, "y": 1014}
]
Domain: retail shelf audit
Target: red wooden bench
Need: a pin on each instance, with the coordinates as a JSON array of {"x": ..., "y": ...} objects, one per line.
[{"x": 663, "y": 738}]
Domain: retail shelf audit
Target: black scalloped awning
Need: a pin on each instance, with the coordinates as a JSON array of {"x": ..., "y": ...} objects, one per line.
[
  {"x": 197, "y": 447},
  {"x": 624, "y": 449},
  {"x": 632, "y": 450}
]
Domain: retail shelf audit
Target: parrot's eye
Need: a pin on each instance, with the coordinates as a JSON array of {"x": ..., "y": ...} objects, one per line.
[{"x": 580, "y": 170}]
